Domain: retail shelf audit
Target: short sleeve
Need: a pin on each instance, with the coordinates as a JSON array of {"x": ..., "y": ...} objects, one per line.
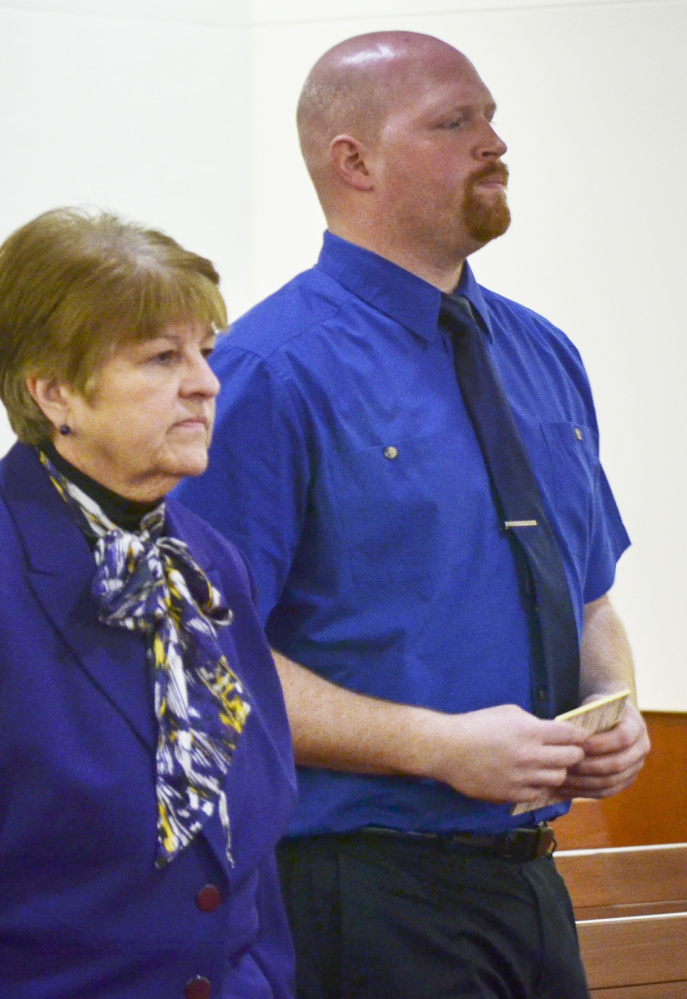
[{"x": 609, "y": 540}]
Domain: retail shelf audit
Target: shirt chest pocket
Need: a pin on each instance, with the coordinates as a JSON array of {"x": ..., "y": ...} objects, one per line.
[
  {"x": 568, "y": 481},
  {"x": 406, "y": 507}
]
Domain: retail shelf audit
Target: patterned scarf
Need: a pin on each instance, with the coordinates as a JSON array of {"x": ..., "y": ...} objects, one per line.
[{"x": 148, "y": 582}]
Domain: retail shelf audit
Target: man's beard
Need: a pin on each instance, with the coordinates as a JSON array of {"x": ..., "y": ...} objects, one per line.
[{"x": 484, "y": 221}]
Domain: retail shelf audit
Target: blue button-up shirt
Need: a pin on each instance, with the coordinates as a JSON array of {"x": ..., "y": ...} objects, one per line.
[{"x": 345, "y": 467}]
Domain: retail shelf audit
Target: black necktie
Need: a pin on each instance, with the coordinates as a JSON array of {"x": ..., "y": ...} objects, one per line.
[{"x": 556, "y": 659}]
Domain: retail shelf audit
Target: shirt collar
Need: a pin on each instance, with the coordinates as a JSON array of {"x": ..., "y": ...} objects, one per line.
[{"x": 390, "y": 289}]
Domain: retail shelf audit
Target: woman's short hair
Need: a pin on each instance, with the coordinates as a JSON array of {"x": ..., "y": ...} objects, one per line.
[{"x": 74, "y": 284}]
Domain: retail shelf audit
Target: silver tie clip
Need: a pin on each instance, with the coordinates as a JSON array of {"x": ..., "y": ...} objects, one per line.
[{"x": 519, "y": 523}]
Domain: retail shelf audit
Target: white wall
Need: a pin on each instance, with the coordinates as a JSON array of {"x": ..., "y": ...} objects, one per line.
[
  {"x": 141, "y": 106},
  {"x": 180, "y": 112}
]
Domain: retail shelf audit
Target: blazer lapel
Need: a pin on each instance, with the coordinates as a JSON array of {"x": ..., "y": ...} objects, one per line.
[
  {"x": 60, "y": 570},
  {"x": 177, "y": 526}
]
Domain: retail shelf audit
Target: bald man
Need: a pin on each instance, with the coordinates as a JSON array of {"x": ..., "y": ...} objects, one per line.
[{"x": 346, "y": 466}]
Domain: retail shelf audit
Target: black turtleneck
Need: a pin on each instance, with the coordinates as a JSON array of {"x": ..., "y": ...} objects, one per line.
[{"x": 125, "y": 513}]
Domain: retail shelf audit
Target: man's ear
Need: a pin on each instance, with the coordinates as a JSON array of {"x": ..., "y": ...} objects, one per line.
[
  {"x": 51, "y": 398},
  {"x": 348, "y": 159}
]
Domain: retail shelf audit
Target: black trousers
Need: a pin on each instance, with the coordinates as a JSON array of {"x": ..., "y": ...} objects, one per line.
[{"x": 380, "y": 917}]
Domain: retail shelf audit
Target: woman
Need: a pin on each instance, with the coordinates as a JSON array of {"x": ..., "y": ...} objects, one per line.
[{"x": 145, "y": 764}]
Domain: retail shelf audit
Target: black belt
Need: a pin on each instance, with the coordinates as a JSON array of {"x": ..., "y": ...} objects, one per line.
[{"x": 521, "y": 844}]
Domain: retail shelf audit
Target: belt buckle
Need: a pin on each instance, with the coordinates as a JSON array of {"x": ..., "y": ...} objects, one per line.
[
  {"x": 546, "y": 843},
  {"x": 527, "y": 844}
]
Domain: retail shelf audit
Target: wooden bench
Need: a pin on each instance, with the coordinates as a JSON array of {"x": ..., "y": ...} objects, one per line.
[{"x": 631, "y": 911}]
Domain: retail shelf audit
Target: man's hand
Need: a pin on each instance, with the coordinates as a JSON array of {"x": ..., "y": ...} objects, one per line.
[
  {"x": 611, "y": 760},
  {"x": 504, "y": 754}
]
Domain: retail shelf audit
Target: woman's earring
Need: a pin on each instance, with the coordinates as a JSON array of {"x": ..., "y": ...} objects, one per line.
[{"x": 64, "y": 430}]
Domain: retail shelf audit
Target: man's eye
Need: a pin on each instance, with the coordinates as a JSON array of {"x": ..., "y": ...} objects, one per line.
[{"x": 164, "y": 357}]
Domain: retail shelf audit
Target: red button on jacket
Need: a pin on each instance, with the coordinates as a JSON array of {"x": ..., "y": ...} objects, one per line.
[
  {"x": 208, "y": 898},
  {"x": 198, "y": 988}
]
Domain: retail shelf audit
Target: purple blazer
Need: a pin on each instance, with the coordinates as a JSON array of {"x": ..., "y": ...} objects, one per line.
[{"x": 84, "y": 913}]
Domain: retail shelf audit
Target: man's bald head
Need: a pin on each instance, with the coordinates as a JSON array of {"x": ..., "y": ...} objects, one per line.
[
  {"x": 396, "y": 130},
  {"x": 352, "y": 88}
]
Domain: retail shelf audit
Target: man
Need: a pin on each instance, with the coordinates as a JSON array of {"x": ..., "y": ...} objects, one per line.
[{"x": 416, "y": 660}]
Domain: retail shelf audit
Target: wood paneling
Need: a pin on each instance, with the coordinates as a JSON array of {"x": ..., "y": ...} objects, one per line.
[
  {"x": 616, "y": 879},
  {"x": 631, "y": 912},
  {"x": 639, "y": 950},
  {"x": 656, "y": 990}
]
